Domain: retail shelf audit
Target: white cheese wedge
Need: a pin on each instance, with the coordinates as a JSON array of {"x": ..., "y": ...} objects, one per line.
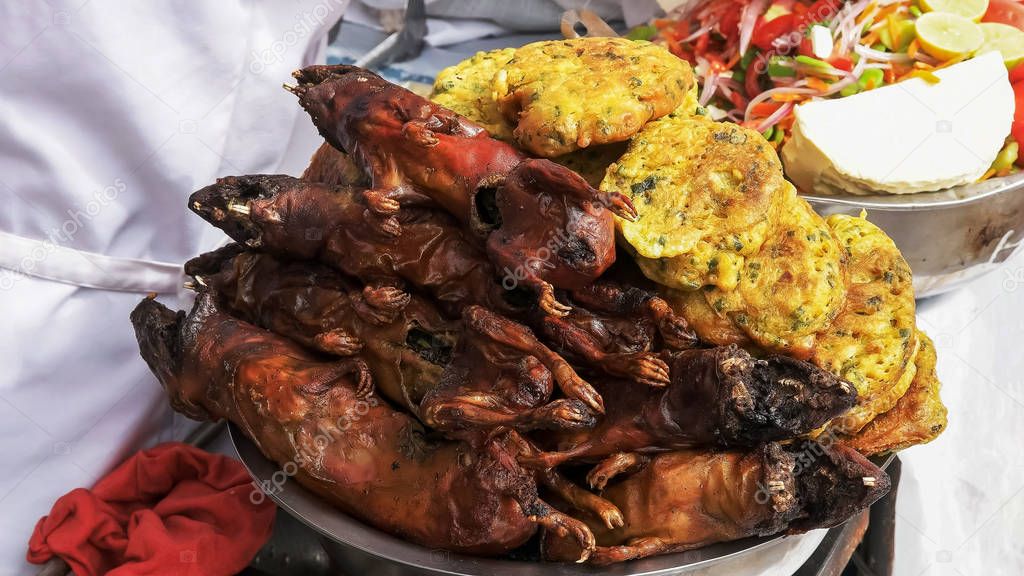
[{"x": 908, "y": 137}]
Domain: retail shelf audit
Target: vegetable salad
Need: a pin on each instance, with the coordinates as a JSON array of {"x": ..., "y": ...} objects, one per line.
[{"x": 757, "y": 59}]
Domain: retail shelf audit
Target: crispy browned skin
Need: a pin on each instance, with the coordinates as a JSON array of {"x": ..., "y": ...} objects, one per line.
[
  {"x": 409, "y": 146},
  {"x": 466, "y": 89},
  {"x": 485, "y": 371},
  {"x": 614, "y": 329},
  {"x": 918, "y": 417},
  {"x": 498, "y": 374},
  {"x": 540, "y": 220},
  {"x": 689, "y": 499},
  {"x": 551, "y": 230},
  {"x": 294, "y": 219},
  {"x": 403, "y": 338},
  {"x": 356, "y": 452},
  {"x": 719, "y": 397},
  {"x": 332, "y": 167},
  {"x": 502, "y": 375}
]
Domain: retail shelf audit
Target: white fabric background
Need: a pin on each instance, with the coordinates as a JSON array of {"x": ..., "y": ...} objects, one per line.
[
  {"x": 111, "y": 113},
  {"x": 960, "y": 509}
]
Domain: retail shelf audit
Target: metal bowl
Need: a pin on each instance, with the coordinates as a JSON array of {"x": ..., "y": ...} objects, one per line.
[
  {"x": 949, "y": 237},
  {"x": 362, "y": 549}
]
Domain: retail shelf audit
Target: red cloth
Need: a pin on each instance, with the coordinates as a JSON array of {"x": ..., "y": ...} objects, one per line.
[{"x": 174, "y": 509}]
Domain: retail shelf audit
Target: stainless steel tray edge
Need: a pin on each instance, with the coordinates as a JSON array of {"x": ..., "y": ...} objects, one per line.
[
  {"x": 363, "y": 547},
  {"x": 365, "y": 550},
  {"x": 949, "y": 237}
]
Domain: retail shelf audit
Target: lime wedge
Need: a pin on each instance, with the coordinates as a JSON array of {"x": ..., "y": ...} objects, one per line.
[
  {"x": 970, "y": 9},
  {"x": 1009, "y": 40},
  {"x": 944, "y": 35}
]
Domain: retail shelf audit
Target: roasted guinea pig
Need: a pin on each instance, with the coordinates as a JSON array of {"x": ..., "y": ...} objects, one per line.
[
  {"x": 353, "y": 450},
  {"x": 549, "y": 228},
  {"x": 484, "y": 371},
  {"x": 718, "y": 397},
  {"x": 615, "y": 329},
  {"x": 541, "y": 221},
  {"x": 335, "y": 168},
  {"x": 403, "y": 338},
  {"x": 501, "y": 375},
  {"x": 412, "y": 150},
  {"x": 688, "y": 499},
  {"x": 295, "y": 219}
]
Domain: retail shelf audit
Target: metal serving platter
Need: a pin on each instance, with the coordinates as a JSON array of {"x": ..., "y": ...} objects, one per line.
[
  {"x": 362, "y": 549},
  {"x": 948, "y": 237}
]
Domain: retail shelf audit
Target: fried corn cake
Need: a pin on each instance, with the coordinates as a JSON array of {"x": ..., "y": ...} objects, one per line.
[
  {"x": 918, "y": 417},
  {"x": 706, "y": 193},
  {"x": 710, "y": 326},
  {"x": 592, "y": 162},
  {"x": 873, "y": 342},
  {"x": 780, "y": 297},
  {"x": 563, "y": 95},
  {"x": 792, "y": 288},
  {"x": 465, "y": 88},
  {"x": 866, "y": 327}
]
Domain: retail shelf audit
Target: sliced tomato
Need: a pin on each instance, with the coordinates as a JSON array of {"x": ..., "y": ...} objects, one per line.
[
  {"x": 800, "y": 20},
  {"x": 1017, "y": 74},
  {"x": 1017, "y": 131},
  {"x": 1005, "y": 12},
  {"x": 701, "y": 45},
  {"x": 841, "y": 63},
  {"x": 738, "y": 100},
  {"x": 729, "y": 25},
  {"x": 1018, "y": 93},
  {"x": 820, "y": 11},
  {"x": 765, "y": 33},
  {"x": 806, "y": 47}
]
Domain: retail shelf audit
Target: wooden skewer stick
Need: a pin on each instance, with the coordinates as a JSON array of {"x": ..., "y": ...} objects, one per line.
[{"x": 595, "y": 26}]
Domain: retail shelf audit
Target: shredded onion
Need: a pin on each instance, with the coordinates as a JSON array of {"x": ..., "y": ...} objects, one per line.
[
  {"x": 776, "y": 116},
  {"x": 767, "y": 95},
  {"x": 710, "y": 87},
  {"x": 728, "y": 85},
  {"x": 724, "y": 88},
  {"x": 850, "y": 30},
  {"x": 925, "y": 58},
  {"x": 697, "y": 34},
  {"x": 747, "y": 21},
  {"x": 866, "y": 52}
]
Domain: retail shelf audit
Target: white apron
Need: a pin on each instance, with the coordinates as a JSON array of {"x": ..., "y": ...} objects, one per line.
[{"x": 111, "y": 113}]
